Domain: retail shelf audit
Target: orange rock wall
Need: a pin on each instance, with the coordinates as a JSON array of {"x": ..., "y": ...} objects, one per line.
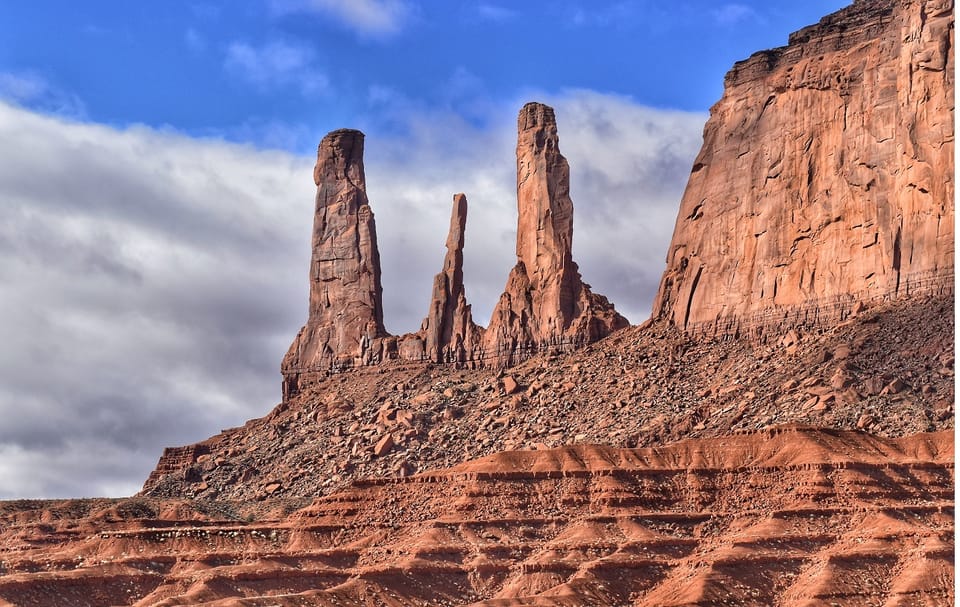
[{"x": 825, "y": 177}]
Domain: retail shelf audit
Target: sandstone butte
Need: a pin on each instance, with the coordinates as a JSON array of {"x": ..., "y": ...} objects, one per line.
[
  {"x": 683, "y": 462},
  {"x": 825, "y": 179},
  {"x": 545, "y": 305}
]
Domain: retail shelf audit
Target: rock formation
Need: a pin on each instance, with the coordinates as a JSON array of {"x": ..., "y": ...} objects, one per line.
[
  {"x": 449, "y": 334},
  {"x": 545, "y": 303},
  {"x": 825, "y": 177},
  {"x": 345, "y": 320},
  {"x": 545, "y": 306},
  {"x": 889, "y": 370},
  {"x": 655, "y": 468}
]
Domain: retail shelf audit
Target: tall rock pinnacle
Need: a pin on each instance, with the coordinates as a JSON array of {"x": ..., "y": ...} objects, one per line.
[
  {"x": 545, "y": 304},
  {"x": 825, "y": 177},
  {"x": 449, "y": 332},
  {"x": 346, "y": 312}
]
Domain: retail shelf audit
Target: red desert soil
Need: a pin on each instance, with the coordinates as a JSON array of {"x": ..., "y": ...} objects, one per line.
[{"x": 786, "y": 516}]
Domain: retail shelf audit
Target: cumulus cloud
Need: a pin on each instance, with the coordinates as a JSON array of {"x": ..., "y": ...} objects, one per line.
[
  {"x": 366, "y": 17},
  {"x": 146, "y": 289},
  {"x": 277, "y": 63},
  {"x": 151, "y": 282}
]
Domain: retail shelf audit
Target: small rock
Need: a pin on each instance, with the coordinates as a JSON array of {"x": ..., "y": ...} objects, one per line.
[
  {"x": 894, "y": 387},
  {"x": 383, "y": 446},
  {"x": 510, "y": 385},
  {"x": 865, "y": 421},
  {"x": 422, "y": 399},
  {"x": 840, "y": 380}
]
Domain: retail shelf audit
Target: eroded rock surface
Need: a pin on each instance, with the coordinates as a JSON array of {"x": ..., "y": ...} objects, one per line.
[
  {"x": 825, "y": 178},
  {"x": 449, "y": 333},
  {"x": 789, "y": 516},
  {"x": 545, "y": 303},
  {"x": 889, "y": 371},
  {"x": 345, "y": 319}
]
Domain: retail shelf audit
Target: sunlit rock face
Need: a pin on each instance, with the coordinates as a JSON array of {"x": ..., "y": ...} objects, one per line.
[{"x": 825, "y": 177}]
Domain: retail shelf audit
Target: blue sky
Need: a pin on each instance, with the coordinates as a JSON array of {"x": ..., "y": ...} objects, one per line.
[
  {"x": 253, "y": 70},
  {"x": 156, "y": 190}
]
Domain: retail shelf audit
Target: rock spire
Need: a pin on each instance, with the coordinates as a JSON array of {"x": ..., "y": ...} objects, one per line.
[
  {"x": 449, "y": 333},
  {"x": 345, "y": 320},
  {"x": 545, "y": 306},
  {"x": 545, "y": 303}
]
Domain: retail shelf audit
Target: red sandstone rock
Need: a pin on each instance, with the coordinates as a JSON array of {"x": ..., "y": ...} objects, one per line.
[
  {"x": 825, "y": 178},
  {"x": 545, "y": 304},
  {"x": 345, "y": 318},
  {"x": 789, "y": 516},
  {"x": 383, "y": 446},
  {"x": 449, "y": 334}
]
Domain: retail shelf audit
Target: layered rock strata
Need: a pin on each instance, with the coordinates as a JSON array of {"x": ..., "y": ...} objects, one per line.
[
  {"x": 345, "y": 320},
  {"x": 545, "y": 303},
  {"x": 825, "y": 177},
  {"x": 788, "y": 516}
]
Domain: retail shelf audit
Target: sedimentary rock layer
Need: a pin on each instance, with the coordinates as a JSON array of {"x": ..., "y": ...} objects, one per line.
[
  {"x": 545, "y": 303},
  {"x": 789, "y": 516},
  {"x": 825, "y": 177}
]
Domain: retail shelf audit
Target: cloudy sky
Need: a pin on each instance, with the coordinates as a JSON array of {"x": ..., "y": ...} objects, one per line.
[{"x": 156, "y": 189}]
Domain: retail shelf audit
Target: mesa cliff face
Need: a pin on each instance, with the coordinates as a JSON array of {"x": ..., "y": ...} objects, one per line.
[
  {"x": 545, "y": 306},
  {"x": 825, "y": 177}
]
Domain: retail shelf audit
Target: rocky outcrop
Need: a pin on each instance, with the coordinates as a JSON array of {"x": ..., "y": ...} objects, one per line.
[
  {"x": 825, "y": 178},
  {"x": 449, "y": 333},
  {"x": 545, "y": 303},
  {"x": 345, "y": 322}
]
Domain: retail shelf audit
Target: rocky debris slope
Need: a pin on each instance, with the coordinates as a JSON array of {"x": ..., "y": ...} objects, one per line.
[
  {"x": 546, "y": 305},
  {"x": 889, "y": 370},
  {"x": 788, "y": 516},
  {"x": 825, "y": 177}
]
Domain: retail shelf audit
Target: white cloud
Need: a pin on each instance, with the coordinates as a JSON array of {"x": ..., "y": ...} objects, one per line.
[
  {"x": 30, "y": 89},
  {"x": 366, "y": 17},
  {"x": 275, "y": 64},
  {"x": 494, "y": 12},
  {"x": 151, "y": 282},
  {"x": 732, "y": 14},
  {"x": 194, "y": 40}
]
